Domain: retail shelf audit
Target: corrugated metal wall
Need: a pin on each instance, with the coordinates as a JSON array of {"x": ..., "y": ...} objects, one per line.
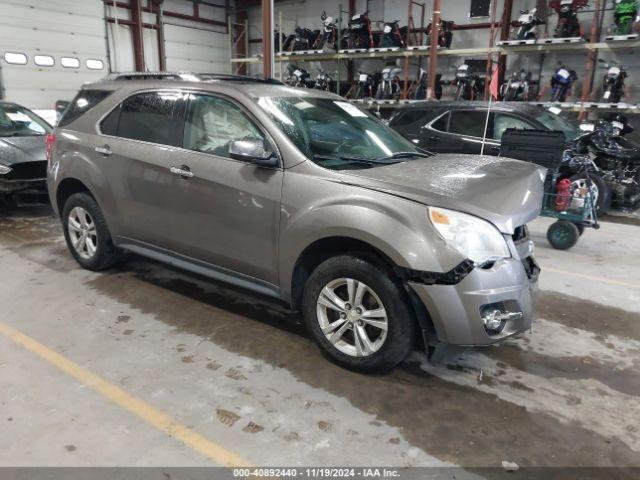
[{"x": 76, "y": 29}]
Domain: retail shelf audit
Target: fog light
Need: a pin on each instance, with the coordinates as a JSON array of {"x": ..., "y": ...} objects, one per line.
[{"x": 495, "y": 316}]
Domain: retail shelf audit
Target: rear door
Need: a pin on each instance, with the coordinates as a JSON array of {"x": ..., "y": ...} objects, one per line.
[
  {"x": 139, "y": 141},
  {"x": 467, "y": 129}
]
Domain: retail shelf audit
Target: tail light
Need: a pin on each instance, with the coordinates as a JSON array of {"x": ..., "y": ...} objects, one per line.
[{"x": 50, "y": 142}]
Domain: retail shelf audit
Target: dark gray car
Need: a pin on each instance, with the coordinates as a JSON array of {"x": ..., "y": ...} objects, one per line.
[
  {"x": 23, "y": 166},
  {"x": 302, "y": 196}
]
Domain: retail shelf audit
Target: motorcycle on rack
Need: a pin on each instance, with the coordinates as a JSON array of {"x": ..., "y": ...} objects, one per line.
[
  {"x": 389, "y": 86},
  {"x": 419, "y": 88},
  {"x": 613, "y": 82},
  {"x": 561, "y": 83},
  {"x": 279, "y": 40},
  {"x": 467, "y": 84},
  {"x": 568, "y": 23},
  {"x": 358, "y": 33},
  {"x": 301, "y": 39},
  {"x": 296, "y": 77},
  {"x": 445, "y": 33},
  {"x": 516, "y": 87},
  {"x": 329, "y": 34},
  {"x": 528, "y": 23},
  {"x": 364, "y": 87},
  {"x": 324, "y": 81},
  {"x": 625, "y": 14},
  {"x": 391, "y": 35}
]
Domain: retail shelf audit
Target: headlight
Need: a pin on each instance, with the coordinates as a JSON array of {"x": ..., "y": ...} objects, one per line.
[
  {"x": 4, "y": 170},
  {"x": 477, "y": 239}
]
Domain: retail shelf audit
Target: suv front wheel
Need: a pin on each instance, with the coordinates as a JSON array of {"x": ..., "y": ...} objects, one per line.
[
  {"x": 86, "y": 233},
  {"x": 358, "y": 314}
]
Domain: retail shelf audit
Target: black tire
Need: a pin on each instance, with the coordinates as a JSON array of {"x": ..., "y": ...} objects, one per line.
[
  {"x": 400, "y": 318},
  {"x": 603, "y": 202},
  {"x": 106, "y": 255},
  {"x": 562, "y": 235}
]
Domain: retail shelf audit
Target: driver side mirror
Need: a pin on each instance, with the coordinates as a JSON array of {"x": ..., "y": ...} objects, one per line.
[{"x": 252, "y": 151}]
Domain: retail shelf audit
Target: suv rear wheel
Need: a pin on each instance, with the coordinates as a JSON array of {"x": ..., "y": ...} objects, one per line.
[
  {"x": 86, "y": 233},
  {"x": 358, "y": 314}
]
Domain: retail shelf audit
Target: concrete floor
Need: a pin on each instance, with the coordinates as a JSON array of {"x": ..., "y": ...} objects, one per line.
[{"x": 241, "y": 372}]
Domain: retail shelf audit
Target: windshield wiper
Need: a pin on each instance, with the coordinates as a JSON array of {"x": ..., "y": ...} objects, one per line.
[
  {"x": 405, "y": 155},
  {"x": 346, "y": 158}
]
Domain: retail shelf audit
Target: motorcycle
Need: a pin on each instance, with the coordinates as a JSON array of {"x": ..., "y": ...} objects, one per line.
[
  {"x": 297, "y": 77},
  {"x": 418, "y": 91},
  {"x": 389, "y": 87},
  {"x": 614, "y": 159},
  {"x": 324, "y": 81},
  {"x": 364, "y": 87},
  {"x": 561, "y": 83},
  {"x": 625, "y": 13},
  {"x": 516, "y": 87},
  {"x": 279, "y": 39},
  {"x": 468, "y": 83},
  {"x": 613, "y": 83},
  {"x": 528, "y": 23},
  {"x": 301, "y": 39},
  {"x": 358, "y": 33},
  {"x": 329, "y": 34},
  {"x": 445, "y": 33},
  {"x": 391, "y": 35},
  {"x": 568, "y": 23}
]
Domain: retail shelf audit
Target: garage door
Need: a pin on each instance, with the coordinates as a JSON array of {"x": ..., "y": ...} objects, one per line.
[
  {"x": 49, "y": 49},
  {"x": 196, "y": 50}
]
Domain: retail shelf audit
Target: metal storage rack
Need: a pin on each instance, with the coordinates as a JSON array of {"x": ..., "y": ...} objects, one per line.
[{"x": 500, "y": 48}]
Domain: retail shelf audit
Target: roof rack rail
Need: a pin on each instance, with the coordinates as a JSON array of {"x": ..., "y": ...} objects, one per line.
[{"x": 189, "y": 76}]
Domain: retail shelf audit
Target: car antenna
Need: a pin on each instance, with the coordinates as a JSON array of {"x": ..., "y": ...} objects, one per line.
[{"x": 486, "y": 125}]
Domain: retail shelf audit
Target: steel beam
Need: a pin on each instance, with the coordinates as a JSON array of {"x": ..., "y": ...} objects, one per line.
[
  {"x": 433, "y": 52},
  {"x": 267, "y": 35}
]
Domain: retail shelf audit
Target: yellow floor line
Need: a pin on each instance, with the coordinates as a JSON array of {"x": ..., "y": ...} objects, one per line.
[
  {"x": 154, "y": 417},
  {"x": 591, "y": 277}
]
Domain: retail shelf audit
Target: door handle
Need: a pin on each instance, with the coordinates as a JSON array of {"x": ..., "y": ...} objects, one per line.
[
  {"x": 104, "y": 150},
  {"x": 434, "y": 138},
  {"x": 182, "y": 171}
]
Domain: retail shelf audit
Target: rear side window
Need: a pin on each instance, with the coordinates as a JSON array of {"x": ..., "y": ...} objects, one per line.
[
  {"x": 84, "y": 101},
  {"x": 471, "y": 123},
  {"x": 151, "y": 117},
  {"x": 441, "y": 124}
]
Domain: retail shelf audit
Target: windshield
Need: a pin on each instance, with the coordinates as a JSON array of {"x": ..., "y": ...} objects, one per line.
[
  {"x": 336, "y": 134},
  {"x": 17, "y": 121},
  {"x": 557, "y": 123}
]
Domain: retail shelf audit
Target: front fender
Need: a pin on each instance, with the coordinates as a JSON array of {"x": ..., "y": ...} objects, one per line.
[{"x": 398, "y": 228}]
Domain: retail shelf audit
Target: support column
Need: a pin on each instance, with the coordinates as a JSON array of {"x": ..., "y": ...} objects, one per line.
[
  {"x": 267, "y": 38},
  {"x": 433, "y": 52},
  {"x": 592, "y": 57},
  {"x": 136, "y": 33},
  {"x": 505, "y": 29}
]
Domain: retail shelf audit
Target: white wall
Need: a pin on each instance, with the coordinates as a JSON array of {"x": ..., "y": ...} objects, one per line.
[
  {"x": 76, "y": 28},
  {"x": 308, "y": 13}
]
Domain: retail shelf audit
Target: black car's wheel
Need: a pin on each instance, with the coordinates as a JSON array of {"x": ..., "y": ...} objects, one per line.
[
  {"x": 562, "y": 235},
  {"x": 358, "y": 314},
  {"x": 86, "y": 233}
]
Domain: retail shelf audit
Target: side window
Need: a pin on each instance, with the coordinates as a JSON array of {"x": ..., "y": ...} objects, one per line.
[
  {"x": 84, "y": 101},
  {"x": 151, "y": 117},
  {"x": 470, "y": 123},
  {"x": 407, "y": 117},
  {"x": 109, "y": 126},
  {"x": 503, "y": 121},
  {"x": 212, "y": 123},
  {"x": 441, "y": 124}
]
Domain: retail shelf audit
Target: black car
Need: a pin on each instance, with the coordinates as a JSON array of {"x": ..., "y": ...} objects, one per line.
[
  {"x": 459, "y": 127},
  {"x": 23, "y": 165}
]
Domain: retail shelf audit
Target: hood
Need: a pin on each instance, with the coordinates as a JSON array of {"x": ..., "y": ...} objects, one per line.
[
  {"x": 22, "y": 149},
  {"x": 506, "y": 192}
]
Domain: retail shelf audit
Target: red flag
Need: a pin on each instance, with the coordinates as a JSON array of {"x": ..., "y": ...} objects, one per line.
[{"x": 493, "y": 86}]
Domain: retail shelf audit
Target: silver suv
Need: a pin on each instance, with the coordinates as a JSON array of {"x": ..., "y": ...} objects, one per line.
[{"x": 302, "y": 196}]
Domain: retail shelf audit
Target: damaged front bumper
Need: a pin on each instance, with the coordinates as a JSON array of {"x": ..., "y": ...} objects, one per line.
[{"x": 36, "y": 186}]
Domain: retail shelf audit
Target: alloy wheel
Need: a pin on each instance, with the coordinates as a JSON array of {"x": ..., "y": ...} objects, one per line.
[
  {"x": 82, "y": 232},
  {"x": 352, "y": 317}
]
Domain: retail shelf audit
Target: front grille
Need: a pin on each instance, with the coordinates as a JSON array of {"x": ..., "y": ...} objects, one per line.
[
  {"x": 27, "y": 171},
  {"x": 521, "y": 234}
]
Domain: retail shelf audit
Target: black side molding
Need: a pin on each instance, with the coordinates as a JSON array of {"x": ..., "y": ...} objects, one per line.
[{"x": 452, "y": 277}]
